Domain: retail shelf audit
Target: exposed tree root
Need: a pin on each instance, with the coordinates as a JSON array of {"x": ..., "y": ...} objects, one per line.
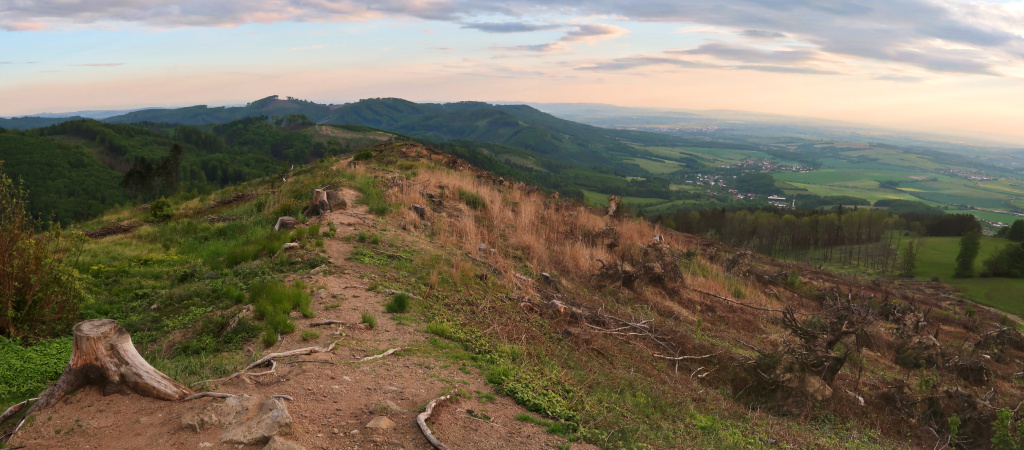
[
  {"x": 368, "y": 358},
  {"x": 273, "y": 364},
  {"x": 422, "y": 421},
  {"x": 14, "y": 410},
  {"x": 326, "y": 322}
]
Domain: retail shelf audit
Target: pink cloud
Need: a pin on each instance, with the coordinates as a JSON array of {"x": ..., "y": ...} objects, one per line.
[{"x": 24, "y": 26}]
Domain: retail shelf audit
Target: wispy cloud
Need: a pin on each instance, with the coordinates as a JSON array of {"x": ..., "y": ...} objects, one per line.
[
  {"x": 311, "y": 47},
  {"x": 633, "y": 62},
  {"x": 785, "y": 69},
  {"x": 748, "y": 54},
  {"x": 509, "y": 27},
  {"x": 587, "y": 33},
  {"x": 893, "y": 31},
  {"x": 98, "y": 65},
  {"x": 763, "y": 34},
  {"x": 899, "y": 78},
  {"x": 22, "y": 26}
]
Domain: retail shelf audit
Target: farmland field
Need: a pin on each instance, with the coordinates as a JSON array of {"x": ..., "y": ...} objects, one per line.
[{"x": 938, "y": 257}]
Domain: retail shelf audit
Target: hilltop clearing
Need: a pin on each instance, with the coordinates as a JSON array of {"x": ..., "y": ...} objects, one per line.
[{"x": 610, "y": 331}]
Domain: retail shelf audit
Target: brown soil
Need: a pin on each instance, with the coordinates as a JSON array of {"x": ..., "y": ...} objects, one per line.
[{"x": 335, "y": 396}]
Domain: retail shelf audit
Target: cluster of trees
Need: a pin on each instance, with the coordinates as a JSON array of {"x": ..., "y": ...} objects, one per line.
[
  {"x": 833, "y": 236},
  {"x": 1009, "y": 261}
]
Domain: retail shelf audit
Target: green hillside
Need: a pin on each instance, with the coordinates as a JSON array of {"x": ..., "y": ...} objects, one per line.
[
  {"x": 64, "y": 180},
  {"x": 74, "y": 170}
]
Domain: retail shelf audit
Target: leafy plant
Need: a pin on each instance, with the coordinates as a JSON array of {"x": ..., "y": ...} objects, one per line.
[
  {"x": 161, "y": 210},
  {"x": 39, "y": 294}
]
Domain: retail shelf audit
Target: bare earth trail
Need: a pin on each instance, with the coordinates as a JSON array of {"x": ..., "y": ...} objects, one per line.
[{"x": 335, "y": 396}]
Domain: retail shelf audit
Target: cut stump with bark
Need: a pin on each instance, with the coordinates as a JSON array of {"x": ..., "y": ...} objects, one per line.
[{"x": 102, "y": 354}]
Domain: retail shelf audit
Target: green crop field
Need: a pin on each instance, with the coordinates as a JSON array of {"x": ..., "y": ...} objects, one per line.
[
  {"x": 938, "y": 257},
  {"x": 657, "y": 167}
]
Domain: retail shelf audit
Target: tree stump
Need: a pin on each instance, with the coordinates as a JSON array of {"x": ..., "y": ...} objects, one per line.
[{"x": 102, "y": 354}]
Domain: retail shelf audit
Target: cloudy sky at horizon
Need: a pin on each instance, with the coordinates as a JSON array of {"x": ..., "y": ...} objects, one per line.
[{"x": 920, "y": 64}]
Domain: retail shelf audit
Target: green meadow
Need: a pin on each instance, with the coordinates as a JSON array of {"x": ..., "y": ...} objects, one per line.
[{"x": 938, "y": 257}]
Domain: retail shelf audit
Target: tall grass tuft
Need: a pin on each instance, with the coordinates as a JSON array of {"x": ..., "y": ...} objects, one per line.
[
  {"x": 399, "y": 303},
  {"x": 373, "y": 196},
  {"x": 273, "y": 302}
]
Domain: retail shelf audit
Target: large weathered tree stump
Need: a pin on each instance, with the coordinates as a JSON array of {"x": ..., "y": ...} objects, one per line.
[{"x": 102, "y": 354}]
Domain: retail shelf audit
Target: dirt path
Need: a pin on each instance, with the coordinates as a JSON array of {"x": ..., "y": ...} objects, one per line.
[{"x": 335, "y": 396}]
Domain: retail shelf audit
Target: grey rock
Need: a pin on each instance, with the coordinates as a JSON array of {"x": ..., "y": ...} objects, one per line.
[
  {"x": 336, "y": 201},
  {"x": 271, "y": 419},
  {"x": 280, "y": 443},
  {"x": 286, "y": 223},
  {"x": 290, "y": 246},
  {"x": 321, "y": 295},
  {"x": 421, "y": 211}
]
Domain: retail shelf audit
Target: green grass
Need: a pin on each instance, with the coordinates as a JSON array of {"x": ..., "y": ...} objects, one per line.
[
  {"x": 309, "y": 335},
  {"x": 938, "y": 257},
  {"x": 369, "y": 319},
  {"x": 399, "y": 303},
  {"x": 273, "y": 302},
  {"x": 373, "y": 196},
  {"x": 472, "y": 199}
]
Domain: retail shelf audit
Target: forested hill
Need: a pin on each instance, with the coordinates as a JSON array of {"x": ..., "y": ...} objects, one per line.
[
  {"x": 76, "y": 169},
  {"x": 508, "y": 125},
  {"x": 24, "y": 123},
  {"x": 202, "y": 114}
]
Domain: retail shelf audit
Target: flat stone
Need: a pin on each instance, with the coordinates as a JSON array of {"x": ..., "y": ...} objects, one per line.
[
  {"x": 280, "y": 443},
  {"x": 391, "y": 406},
  {"x": 381, "y": 423},
  {"x": 290, "y": 246},
  {"x": 271, "y": 419},
  {"x": 321, "y": 295},
  {"x": 286, "y": 223}
]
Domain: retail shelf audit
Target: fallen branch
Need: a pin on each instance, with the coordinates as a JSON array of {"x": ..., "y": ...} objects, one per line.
[
  {"x": 393, "y": 292},
  {"x": 326, "y": 322},
  {"x": 208, "y": 394},
  {"x": 747, "y": 305},
  {"x": 679, "y": 358},
  {"x": 381, "y": 355},
  {"x": 357, "y": 216},
  {"x": 273, "y": 364},
  {"x": 354, "y": 286},
  {"x": 422, "y": 421}
]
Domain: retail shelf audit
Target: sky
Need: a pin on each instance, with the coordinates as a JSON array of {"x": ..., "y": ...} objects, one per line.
[{"x": 929, "y": 65}]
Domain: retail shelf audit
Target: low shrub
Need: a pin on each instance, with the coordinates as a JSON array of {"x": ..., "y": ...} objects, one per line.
[
  {"x": 472, "y": 199},
  {"x": 399, "y": 304}
]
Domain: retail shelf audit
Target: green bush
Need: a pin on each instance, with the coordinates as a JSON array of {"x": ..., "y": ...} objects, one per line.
[
  {"x": 39, "y": 294},
  {"x": 472, "y": 199},
  {"x": 363, "y": 156},
  {"x": 161, "y": 210},
  {"x": 308, "y": 335},
  {"x": 399, "y": 304}
]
